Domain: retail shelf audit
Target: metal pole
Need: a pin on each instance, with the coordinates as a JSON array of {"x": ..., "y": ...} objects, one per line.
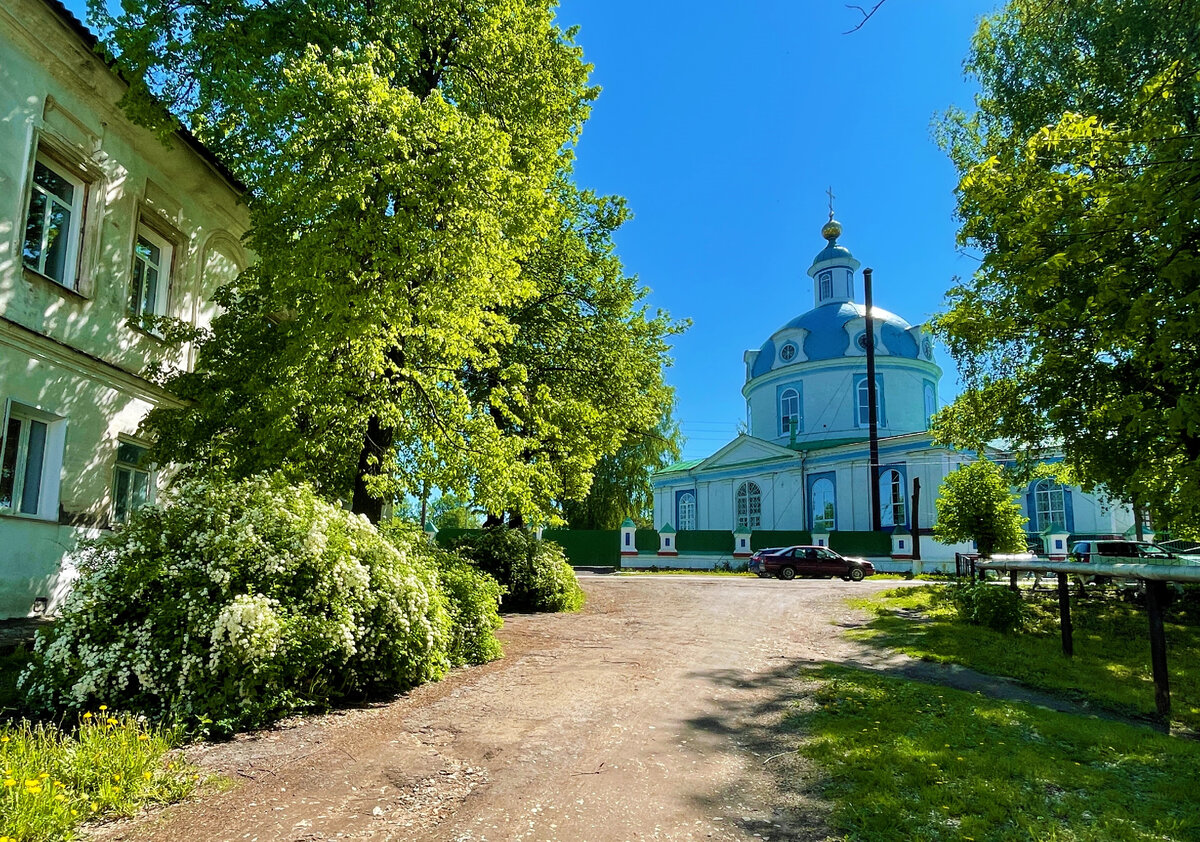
[
  {"x": 1064, "y": 615},
  {"x": 872, "y": 408},
  {"x": 1156, "y": 595},
  {"x": 916, "y": 518}
]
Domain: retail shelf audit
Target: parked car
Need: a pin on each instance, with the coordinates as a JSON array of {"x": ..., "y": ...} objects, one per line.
[
  {"x": 818, "y": 562},
  {"x": 1132, "y": 552}
]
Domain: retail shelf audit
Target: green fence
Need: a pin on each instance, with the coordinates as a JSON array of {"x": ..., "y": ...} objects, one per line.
[
  {"x": 761, "y": 538},
  {"x": 861, "y": 543},
  {"x": 588, "y": 547},
  {"x": 704, "y": 541}
]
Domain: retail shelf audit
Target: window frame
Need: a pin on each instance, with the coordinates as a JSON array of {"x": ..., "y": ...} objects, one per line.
[
  {"x": 142, "y": 466},
  {"x": 49, "y": 473},
  {"x": 78, "y": 217},
  {"x": 745, "y": 516},
  {"x": 895, "y": 503},
  {"x": 862, "y": 407},
  {"x": 1045, "y": 489},
  {"x": 827, "y": 521},
  {"x": 784, "y": 429},
  {"x": 166, "y": 266},
  {"x": 686, "y": 517}
]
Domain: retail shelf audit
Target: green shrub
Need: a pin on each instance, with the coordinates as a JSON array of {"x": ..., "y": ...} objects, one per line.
[
  {"x": 238, "y": 604},
  {"x": 992, "y": 606},
  {"x": 534, "y": 573},
  {"x": 473, "y": 597}
]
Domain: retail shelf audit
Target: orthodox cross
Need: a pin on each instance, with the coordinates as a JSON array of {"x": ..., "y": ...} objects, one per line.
[{"x": 829, "y": 193}]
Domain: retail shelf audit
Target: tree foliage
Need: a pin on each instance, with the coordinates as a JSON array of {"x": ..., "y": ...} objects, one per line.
[
  {"x": 621, "y": 481},
  {"x": 976, "y": 503},
  {"x": 433, "y": 299},
  {"x": 1080, "y": 187}
]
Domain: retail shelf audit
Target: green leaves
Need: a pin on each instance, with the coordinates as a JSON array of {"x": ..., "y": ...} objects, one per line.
[
  {"x": 1080, "y": 186},
  {"x": 434, "y": 301},
  {"x": 975, "y": 503}
]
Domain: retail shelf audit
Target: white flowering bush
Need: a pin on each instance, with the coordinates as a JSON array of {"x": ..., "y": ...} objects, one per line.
[
  {"x": 238, "y": 603},
  {"x": 473, "y": 597}
]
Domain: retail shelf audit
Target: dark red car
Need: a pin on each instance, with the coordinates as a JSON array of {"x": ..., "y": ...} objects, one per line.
[{"x": 818, "y": 562}]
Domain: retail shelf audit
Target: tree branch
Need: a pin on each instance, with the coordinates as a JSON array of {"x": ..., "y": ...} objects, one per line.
[{"x": 866, "y": 16}]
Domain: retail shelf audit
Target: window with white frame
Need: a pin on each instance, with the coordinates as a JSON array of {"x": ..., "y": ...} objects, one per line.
[
  {"x": 150, "y": 277},
  {"x": 789, "y": 412},
  {"x": 891, "y": 498},
  {"x": 749, "y": 506},
  {"x": 30, "y": 459},
  {"x": 824, "y": 514},
  {"x": 54, "y": 223},
  {"x": 687, "y": 511},
  {"x": 826, "y": 282},
  {"x": 1048, "y": 497},
  {"x": 863, "y": 408},
  {"x": 133, "y": 481},
  {"x": 930, "y": 404}
]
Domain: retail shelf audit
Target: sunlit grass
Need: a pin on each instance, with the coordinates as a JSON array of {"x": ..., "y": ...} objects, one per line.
[
  {"x": 110, "y": 765},
  {"x": 1111, "y": 665},
  {"x": 907, "y": 761}
]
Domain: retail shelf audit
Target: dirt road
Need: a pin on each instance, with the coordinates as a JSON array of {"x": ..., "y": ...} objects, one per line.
[{"x": 649, "y": 715}]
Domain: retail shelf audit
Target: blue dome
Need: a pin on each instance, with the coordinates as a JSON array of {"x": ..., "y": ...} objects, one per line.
[
  {"x": 827, "y": 338},
  {"x": 833, "y": 252}
]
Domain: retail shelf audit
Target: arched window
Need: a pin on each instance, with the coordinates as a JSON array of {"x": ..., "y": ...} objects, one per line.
[
  {"x": 930, "y": 404},
  {"x": 1049, "y": 498},
  {"x": 891, "y": 498},
  {"x": 823, "y": 512},
  {"x": 789, "y": 411},
  {"x": 826, "y": 285},
  {"x": 749, "y": 506},
  {"x": 687, "y": 511},
  {"x": 862, "y": 414}
]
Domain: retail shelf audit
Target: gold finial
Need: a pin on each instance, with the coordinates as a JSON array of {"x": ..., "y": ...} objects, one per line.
[{"x": 832, "y": 229}]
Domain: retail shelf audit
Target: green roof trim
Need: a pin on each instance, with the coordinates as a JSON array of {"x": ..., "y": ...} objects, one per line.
[
  {"x": 628, "y": 522},
  {"x": 429, "y": 527},
  {"x": 679, "y": 467},
  {"x": 667, "y": 528},
  {"x": 901, "y": 530}
]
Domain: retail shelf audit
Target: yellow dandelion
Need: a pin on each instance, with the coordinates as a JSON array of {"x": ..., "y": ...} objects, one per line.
[
  {"x": 9, "y": 782},
  {"x": 147, "y": 775},
  {"x": 5, "y": 739},
  {"x": 60, "y": 797},
  {"x": 87, "y": 715},
  {"x": 116, "y": 777},
  {"x": 103, "y": 708},
  {"x": 112, "y": 721},
  {"x": 143, "y": 736},
  {"x": 95, "y": 806}
]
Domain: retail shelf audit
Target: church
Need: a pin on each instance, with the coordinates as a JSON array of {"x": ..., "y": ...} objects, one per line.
[{"x": 803, "y": 464}]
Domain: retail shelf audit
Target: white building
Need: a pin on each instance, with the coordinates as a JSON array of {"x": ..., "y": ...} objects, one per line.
[
  {"x": 804, "y": 466},
  {"x": 102, "y": 228}
]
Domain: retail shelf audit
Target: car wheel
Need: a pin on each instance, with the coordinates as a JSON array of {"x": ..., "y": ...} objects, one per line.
[
  {"x": 856, "y": 574},
  {"x": 787, "y": 573}
]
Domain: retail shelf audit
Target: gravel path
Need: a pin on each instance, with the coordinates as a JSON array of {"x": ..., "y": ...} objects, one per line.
[{"x": 651, "y": 714}]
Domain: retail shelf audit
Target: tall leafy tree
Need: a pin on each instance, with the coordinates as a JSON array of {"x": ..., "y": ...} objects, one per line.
[
  {"x": 1080, "y": 188},
  {"x": 405, "y": 163},
  {"x": 621, "y": 486},
  {"x": 976, "y": 503}
]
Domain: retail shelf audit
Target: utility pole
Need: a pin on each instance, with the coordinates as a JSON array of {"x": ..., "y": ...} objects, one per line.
[
  {"x": 916, "y": 518},
  {"x": 872, "y": 406}
]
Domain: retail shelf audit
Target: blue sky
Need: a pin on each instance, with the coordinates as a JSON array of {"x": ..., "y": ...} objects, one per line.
[{"x": 724, "y": 126}]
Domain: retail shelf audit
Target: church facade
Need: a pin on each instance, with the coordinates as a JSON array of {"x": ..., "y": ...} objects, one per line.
[{"x": 804, "y": 462}]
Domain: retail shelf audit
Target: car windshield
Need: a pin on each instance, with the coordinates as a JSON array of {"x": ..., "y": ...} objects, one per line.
[{"x": 1153, "y": 551}]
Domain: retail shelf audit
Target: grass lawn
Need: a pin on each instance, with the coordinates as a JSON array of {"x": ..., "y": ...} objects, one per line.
[
  {"x": 905, "y": 761},
  {"x": 1111, "y": 666}
]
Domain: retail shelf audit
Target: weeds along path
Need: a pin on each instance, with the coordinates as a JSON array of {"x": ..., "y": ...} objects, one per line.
[{"x": 652, "y": 714}]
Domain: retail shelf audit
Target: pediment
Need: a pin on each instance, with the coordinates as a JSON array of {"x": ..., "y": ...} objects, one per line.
[{"x": 744, "y": 450}]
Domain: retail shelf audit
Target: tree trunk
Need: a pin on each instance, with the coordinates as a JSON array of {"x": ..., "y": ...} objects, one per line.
[{"x": 376, "y": 444}]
